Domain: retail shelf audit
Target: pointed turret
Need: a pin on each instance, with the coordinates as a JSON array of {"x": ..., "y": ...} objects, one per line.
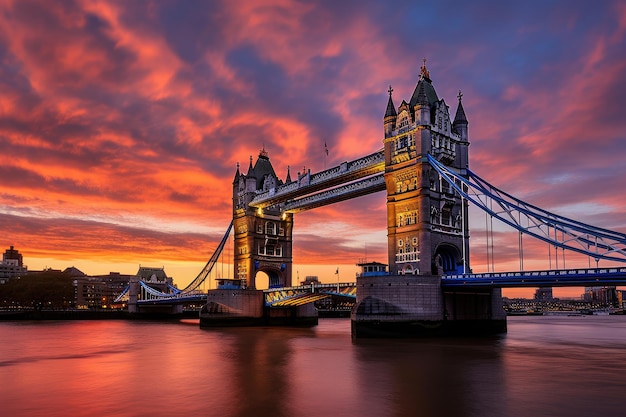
[
  {"x": 250, "y": 173},
  {"x": 250, "y": 178},
  {"x": 424, "y": 91},
  {"x": 424, "y": 97},
  {"x": 460, "y": 120},
  {"x": 391, "y": 110},
  {"x": 237, "y": 175},
  {"x": 288, "y": 179},
  {"x": 389, "y": 120},
  {"x": 459, "y": 126},
  {"x": 263, "y": 170}
]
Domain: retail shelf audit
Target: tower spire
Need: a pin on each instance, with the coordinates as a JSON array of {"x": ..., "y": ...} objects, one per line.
[
  {"x": 250, "y": 173},
  {"x": 391, "y": 109},
  {"x": 424, "y": 73},
  {"x": 460, "y": 117},
  {"x": 237, "y": 175}
]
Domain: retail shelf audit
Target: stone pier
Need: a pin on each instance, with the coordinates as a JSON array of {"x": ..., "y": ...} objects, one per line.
[{"x": 415, "y": 306}]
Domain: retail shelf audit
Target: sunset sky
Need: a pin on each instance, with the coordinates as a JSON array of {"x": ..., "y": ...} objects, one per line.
[{"x": 121, "y": 122}]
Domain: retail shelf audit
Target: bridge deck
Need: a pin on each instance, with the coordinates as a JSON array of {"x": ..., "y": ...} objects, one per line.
[
  {"x": 298, "y": 295},
  {"x": 551, "y": 278}
]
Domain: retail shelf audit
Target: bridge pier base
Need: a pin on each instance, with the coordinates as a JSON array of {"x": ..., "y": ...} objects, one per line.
[
  {"x": 246, "y": 307},
  {"x": 417, "y": 306}
]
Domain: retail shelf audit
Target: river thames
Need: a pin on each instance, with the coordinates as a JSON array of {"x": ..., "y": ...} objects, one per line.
[{"x": 544, "y": 366}]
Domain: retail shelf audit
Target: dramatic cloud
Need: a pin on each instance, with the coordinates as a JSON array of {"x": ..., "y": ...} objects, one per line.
[{"x": 121, "y": 123}]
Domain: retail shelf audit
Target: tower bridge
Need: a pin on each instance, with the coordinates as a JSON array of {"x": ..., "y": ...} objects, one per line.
[
  {"x": 428, "y": 287},
  {"x": 426, "y": 219}
]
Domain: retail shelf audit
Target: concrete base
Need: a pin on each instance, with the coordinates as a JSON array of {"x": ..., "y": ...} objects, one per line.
[
  {"x": 416, "y": 306},
  {"x": 155, "y": 309},
  {"x": 238, "y": 308},
  {"x": 305, "y": 316}
]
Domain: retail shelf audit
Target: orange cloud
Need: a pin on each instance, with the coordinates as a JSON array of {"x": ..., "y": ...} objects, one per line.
[{"x": 123, "y": 125}]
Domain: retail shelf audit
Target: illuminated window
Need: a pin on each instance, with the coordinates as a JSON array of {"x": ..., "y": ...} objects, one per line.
[{"x": 270, "y": 228}]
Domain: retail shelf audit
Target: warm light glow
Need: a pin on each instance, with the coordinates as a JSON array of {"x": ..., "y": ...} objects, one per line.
[{"x": 121, "y": 124}]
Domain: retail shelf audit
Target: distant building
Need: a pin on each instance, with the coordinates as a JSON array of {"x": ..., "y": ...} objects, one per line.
[
  {"x": 605, "y": 296},
  {"x": 156, "y": 278},
  {"x": 12, "y": 265},
  {"x": 310, "y": 279},
  {"x": 544, "y": 294},
  {"x": 98, "y": 291},
  {"x": 153, "y": 275}
]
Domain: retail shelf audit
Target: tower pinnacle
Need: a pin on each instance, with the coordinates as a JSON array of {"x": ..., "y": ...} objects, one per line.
[
  {"x": 424, "y": 73},
  {"x": 391, "y": 109}
]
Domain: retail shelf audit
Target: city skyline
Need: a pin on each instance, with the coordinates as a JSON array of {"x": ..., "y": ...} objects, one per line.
[{"x": 122, "y": 124}]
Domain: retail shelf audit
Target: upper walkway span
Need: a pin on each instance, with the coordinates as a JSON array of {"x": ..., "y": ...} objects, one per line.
[{"x": 312, "y": 190}]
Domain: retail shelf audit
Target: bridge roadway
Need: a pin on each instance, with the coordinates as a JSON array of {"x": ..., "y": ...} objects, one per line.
[
  {"x": 180, "y": 298},
  {"x": 592, "y": 277},
  {"x": 292, "y": 296},
  {"x": 276, "y": 297}
]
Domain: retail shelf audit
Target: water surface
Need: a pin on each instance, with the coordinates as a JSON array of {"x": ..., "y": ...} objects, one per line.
[{"x": 544, "y": 366}]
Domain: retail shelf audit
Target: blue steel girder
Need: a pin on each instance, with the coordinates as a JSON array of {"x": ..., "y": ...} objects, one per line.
[
  {"x": 576, "y": 236},
  {"x": 591, "y": 277},
  {"x": 312, "y": 183},
  {"x": 179, "y": 299},
  {"x": 123, "y": 296}
]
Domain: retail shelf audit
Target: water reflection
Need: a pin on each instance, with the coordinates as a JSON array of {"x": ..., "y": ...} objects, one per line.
[
  {"x": 435, "y": 377},
  {"x": 260, "y": 362},
  {"x": 543, "y": 366}
]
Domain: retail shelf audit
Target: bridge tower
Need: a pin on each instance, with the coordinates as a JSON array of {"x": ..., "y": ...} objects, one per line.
[
  {"x": 426, "y": 221},
  {"x": 426, "y": 229},
  {"x": 263, "y": 237}
]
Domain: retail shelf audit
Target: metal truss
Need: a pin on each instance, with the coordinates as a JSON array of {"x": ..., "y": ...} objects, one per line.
[{"x": 552, "y": 228}]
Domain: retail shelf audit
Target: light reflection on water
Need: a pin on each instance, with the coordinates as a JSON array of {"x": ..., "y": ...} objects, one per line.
[{"x": 544, "y": 366}]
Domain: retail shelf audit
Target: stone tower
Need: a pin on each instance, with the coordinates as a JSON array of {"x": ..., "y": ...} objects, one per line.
[
  {"x": 262, "y": 238},
  {"x": 426, "y": 221}
]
